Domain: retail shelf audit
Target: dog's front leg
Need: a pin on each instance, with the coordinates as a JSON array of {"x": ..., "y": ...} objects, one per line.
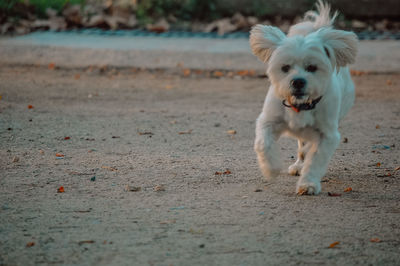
[
  {"x": 316, "y": 163},
  {"x": 265, "y": 145}
]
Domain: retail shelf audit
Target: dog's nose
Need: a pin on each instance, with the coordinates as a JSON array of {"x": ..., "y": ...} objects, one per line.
[{"x": 298, "y": 84}]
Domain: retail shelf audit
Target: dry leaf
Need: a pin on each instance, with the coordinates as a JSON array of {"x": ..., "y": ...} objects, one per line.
[
  {"x": 334, "y": 244},
  {"x": 67, "y": 138},
  {"x": 77, "y": 76},
  {"x": 377, "y": 126},
  {"x": 15, "y": 159},
  {"x": 145, "y": 133},
  {"x": 218, "y": 74},
  {"x": 244, "y": 73},
  {"x": 132, "y": 188},
  {"x": 185, "y": 132},
  {"x": 375, "y": 240},
  {"x": 30, "y": 244},
  {"x": 168, "y": 222},
  {"x": 397, "y": 169},
  {"x": 159, "y": 188},
  {"x": 52, "y": 66},
  {"x": 187, "y": 72},
  {"x": 60, "y": 189},
  {"x": 226, "y": 172},
  {"x": 109, "y": 168},
  {"x": 378, "y": 164},
  {"x": 389, "y": 82},
  {"x": 231, "y": 132},
  {"x": 30, "y": 106},
  {"x": 332, "y": 194},
  {"x": 349, "y": 189},
  {"x": 85, "y": 242},
  {"x": 59, "y": 155},
  {"x": 168, "y": 87}
]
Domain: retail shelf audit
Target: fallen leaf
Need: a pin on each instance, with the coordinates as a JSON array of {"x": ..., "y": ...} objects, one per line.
[
  {"x": 378, "y": 164},
  {"x": 226, "y": 172},
  {"x": 231, "y": 132},
  {"x": 168, "y": 222},
  {"x": 51, "y": 66},
  {"x": 1, "y": 97},
  {"x": 159, "y": 188},
  {"x": 67, "y": 138},
  {"x": 389, "y": 82},
  {"x": 77, "y": 76},
  {"x": 357, "y": 73},
  {"x": 59, "y": 155},
  {"x": 187, "y": 72},
  {"x": 377, "y": 126},
  {"x": 15, "y": 159},
  {"x": 397, "y": 169},
  {"x": 85, "y": 242},
  {"x": 218, "y": 74},
  {"x": 375, "y": 240},
  {"x": 244, "y": 73},
  {"x": 30, "y": 106},
  {"x": 30, "y": 244},
  {"x": 60, "y": 189},
  {"x": 185, "y": 132},
  {"x": 109, "y": 168},
  {"x": 145, "y": 133},
  {"x": 332, "y": 194},
  {"x": 349, "y": 189},
  {"x": 168, "y": 87},
  {"x": 129, "y": 188},
  {"x": 334, "y": 244}
]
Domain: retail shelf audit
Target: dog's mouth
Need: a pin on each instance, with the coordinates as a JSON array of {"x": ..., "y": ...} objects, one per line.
[{"x": 301, "y": 102}]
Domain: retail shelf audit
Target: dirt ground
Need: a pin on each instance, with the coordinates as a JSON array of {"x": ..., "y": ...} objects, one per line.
[{"x": 167, "y": 136}]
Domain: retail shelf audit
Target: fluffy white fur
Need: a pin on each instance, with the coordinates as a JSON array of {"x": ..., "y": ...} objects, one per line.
[{"x": 310, "y": 43}]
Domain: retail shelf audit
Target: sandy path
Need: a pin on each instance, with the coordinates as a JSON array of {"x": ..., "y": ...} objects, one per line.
[{"x": 201, "y": 218}]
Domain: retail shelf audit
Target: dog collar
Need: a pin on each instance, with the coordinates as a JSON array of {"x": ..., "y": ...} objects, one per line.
[{"x": 303, "y": 106}]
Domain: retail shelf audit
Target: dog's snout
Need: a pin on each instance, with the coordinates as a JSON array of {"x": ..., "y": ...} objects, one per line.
[{"x": 298, "y": 84}]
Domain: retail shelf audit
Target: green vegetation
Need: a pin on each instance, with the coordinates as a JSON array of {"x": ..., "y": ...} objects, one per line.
[
  {"x": 148, "y": 10},
  {"x": 41, "y": 5},
  {"x": 15, "y": 8}
]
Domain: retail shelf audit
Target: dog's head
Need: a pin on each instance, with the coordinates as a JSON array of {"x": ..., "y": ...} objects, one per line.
[{"x": 300, "y": 67}]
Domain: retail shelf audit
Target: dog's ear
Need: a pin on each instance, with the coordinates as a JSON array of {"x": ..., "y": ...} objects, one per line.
[
  {"x": 264, "y": 40},
  {"x": 342, "y": 45}
]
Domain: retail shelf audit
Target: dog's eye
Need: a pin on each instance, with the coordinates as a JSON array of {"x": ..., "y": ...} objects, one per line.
[
  {"x": 311, "y": 68},
  {"x": 285, "y": 68}
]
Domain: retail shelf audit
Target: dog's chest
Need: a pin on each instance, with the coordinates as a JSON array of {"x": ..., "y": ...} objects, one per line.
[{"x": 297, "y": 121}]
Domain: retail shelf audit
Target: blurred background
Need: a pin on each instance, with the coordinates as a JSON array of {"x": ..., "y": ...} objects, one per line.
[{"x": 207, "y": 16}]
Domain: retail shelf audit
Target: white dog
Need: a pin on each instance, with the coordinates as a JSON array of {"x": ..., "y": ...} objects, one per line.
[{"x": 311, "y": 90}]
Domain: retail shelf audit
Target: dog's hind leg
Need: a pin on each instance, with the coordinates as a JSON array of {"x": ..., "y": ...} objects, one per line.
[{"x": 295, "y": 168}]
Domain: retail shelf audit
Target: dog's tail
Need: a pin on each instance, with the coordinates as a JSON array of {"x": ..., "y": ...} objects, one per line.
[{"x": 322, "y": 17}]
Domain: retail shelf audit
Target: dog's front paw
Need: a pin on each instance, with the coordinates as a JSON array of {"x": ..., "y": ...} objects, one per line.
[
  {"x": 308, "y": 188},
  {"x": 295, "y": 168}
]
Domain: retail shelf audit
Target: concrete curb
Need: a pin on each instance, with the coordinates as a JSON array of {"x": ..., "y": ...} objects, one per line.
[{"x": 79, "y": 51}]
